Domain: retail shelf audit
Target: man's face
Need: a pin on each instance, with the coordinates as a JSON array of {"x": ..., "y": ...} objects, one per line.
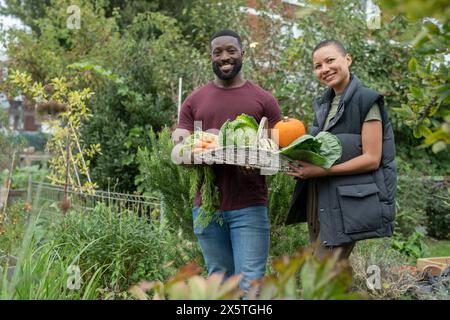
[
  {"x": 226, "y": 57},
  {"x": 331, "y": 66}
]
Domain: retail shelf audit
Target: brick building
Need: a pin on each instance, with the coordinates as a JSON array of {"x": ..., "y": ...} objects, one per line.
[{"x": 21, "y": 113}]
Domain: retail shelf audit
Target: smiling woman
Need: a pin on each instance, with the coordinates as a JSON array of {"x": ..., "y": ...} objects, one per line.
[
  {"x": 355, "y": 198},
  {"x": 331, "y": 63}
]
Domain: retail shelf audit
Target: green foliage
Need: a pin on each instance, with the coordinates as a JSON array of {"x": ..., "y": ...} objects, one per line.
[
  {"x": 141, "y": 95},
  {"x": 65, "y": 107},
  {"x": 202, "y": 18},
  {"x": 418, "y": 9},
  {"x": 438, "y": 211},
  {"x": 28, "y": 11},
  {"x": 51, "y": 46},
  {"x": 413, "y": 161},
  {"x": 131, "y": 247},
  {"x": 411, "y": 204},
  {"x": 210, "y": 196},
  {"x": 438, "y": 248},
  {"x": 424, "y": 205},
  {"x": 9, "y": 143},
  {"x": 5, "y": 142},
  {"x": 286, "y": 240},
  {"x": 426, "y": 109},
  {"x": 160, "y": 175},
  {"x": 413, "y": 247},
  {"x": 395, "y": 280},
  {"x": 328, "y": 279},
  {"x": 379, "y": 63},
  {"x": 302, "y": 276},
  {"x": 41, "y": 270},
  {"x": 280, "y": 187},
  {"x": 19, "y": 178},
  {"x": 13, "y": 227},
  {"x": 37, "y": 140},
  {"x": 188, "y": 285}
]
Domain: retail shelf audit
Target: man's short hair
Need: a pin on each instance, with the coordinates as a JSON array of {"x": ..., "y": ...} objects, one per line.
[
  {"x": 331, "y": 42},
  {"x": 227, "y": 32}
]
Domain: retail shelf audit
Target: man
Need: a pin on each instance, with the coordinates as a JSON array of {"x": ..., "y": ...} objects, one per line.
[
  {"x": 240, "y": 242},
  {"x": 355, "y": 198}
]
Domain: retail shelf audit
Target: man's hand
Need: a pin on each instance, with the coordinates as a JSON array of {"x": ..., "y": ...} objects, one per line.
[{"x": 247, "y": 170}]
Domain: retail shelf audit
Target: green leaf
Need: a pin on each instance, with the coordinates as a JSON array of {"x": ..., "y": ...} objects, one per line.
[
  {"x": 417, "y": 133},
  {"x": 248, "y": 120},
  {"x": 330, "y": 148},
  {"x": 424, "y": 130},
  {"x": 439, "y": 146},
  {"x": 323, "y": 150},
  {"x": 412, "y": 65},
  {"x": 431, "y": 27}
]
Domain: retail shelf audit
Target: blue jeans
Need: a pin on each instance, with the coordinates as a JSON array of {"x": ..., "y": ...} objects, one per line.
[{"x": 235, "y": 242}]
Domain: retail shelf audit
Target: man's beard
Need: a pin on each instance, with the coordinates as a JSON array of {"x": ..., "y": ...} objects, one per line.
[{"x": 236, "y": 69}]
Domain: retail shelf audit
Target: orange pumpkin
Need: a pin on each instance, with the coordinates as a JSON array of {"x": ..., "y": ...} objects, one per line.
[{"x": 289, "y": 129}]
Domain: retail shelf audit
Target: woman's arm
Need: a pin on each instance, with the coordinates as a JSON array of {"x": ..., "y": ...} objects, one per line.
[{"x": 372, "y": 140}]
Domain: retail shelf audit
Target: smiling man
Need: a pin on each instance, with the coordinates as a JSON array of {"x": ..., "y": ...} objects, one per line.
[{"x": 239, "y": 244}]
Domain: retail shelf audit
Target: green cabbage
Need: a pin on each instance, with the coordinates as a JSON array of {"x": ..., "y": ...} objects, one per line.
[
  {"x": 242, "y": 131},
  {"x": 322, "y": 150}
]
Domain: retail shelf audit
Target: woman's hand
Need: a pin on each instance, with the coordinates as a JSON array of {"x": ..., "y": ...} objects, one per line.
[{"x": 307, "y": 170}]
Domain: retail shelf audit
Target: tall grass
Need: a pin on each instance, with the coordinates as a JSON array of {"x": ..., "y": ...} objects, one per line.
[{"x": 41, "y": 271}]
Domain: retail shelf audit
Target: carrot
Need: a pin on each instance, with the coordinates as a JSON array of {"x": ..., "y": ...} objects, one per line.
[
  {"x": 211, "y": 146},
  {"x": 206, "y": 145},
  {"x": 198, "y": 150},
  {"x": 201, "y": 144}
]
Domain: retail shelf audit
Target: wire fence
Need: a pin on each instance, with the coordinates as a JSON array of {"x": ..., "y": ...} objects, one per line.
[{"x": 47, "y": 197}]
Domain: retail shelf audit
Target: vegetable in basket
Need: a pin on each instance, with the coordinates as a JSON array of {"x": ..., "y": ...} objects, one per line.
[
  {"x": 322, "y": 150},
  {"x": 241, "y": 131},
  {"x": 203, "y": 177}
]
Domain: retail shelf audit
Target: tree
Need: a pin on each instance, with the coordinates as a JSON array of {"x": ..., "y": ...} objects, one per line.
[
  {"x": 28, "y": 11},
  {"x": 426, "y": 110},
  {"x": 282, "y": 63},
  {"x": 65, "y": 108}
]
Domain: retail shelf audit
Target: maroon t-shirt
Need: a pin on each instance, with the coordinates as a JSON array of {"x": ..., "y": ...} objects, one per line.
[{"x": 214, "y": 105}]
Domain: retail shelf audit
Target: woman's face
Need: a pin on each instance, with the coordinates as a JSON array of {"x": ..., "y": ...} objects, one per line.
[{"x": 331, "y": 67}]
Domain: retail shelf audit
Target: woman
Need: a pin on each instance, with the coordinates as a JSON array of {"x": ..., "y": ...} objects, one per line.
[{"x": 354, "y": 199}]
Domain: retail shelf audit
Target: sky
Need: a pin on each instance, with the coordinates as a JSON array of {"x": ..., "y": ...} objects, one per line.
[{"x": 7, "y": 22}]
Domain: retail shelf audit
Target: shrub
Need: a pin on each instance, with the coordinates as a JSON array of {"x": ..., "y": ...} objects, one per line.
[
  {"x": 411, "y": 204},
  {"x": 13, "y": 226},
  {"x": 280, "y": 188},
  {"x": 286, "y": 240},
  {"x": 328, "y": 279},
  {"x": 19, "y": 178},
  {"x": 159, "y": 175},
  {"x": 42, "y": 270},
  {"x": 413, "y": 247},
  {"x": 378, "y": 253},
  {"x": 438, "y": 211},
  {"x": 132, "y": 247}
]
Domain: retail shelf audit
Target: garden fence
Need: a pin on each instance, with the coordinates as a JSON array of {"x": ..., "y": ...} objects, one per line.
[{"x": 47, "y": 197}]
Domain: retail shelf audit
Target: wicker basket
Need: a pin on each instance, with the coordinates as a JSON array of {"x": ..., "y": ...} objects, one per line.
[{"x": 268, "y": 161}]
